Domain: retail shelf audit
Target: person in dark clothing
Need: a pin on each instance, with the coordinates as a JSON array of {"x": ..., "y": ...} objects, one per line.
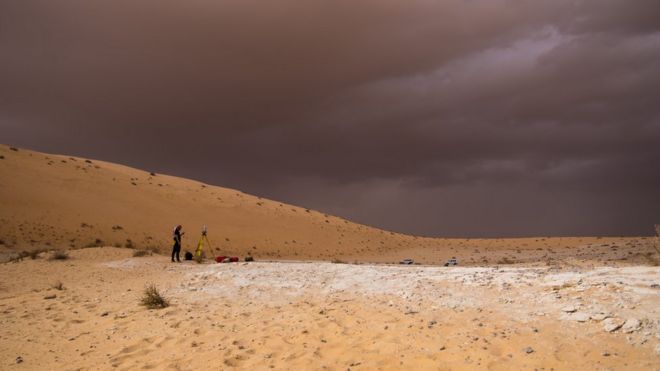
[{"x": 176, "y": 236}]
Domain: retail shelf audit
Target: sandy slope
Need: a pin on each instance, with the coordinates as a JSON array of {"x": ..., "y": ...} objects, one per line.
[
  {"x": 320, "y": 315},
  {"x": 52, "y": 201}
]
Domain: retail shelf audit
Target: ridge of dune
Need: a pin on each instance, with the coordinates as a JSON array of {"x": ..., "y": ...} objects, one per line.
[
  {"x": 70, "y": 202},
  {"x": 59, "y": 202}
]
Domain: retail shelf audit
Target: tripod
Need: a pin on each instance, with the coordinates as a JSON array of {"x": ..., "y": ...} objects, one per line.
[{"x": 200, "y": 245}]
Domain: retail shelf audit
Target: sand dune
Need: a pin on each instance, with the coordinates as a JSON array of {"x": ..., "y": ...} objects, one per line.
[{"x": 55, "y": 202}]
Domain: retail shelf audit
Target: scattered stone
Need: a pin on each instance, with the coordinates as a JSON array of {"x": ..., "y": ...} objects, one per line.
[
  {"x": 655, "y": 286},
  {"x": 432, "y": 322},
  {"x": 48, "y": 297},
  {"x": 19, "y": 359},
  {"x": 105, "y": 313},
  {"x": 631, "y": 325},
  {"x": 599, "y": 316},
  {"x": 444, "y": 347},
  {"x": 612, "y": 324},
  {"x": 528, "y": 350},
  {"x": 580, "y": 317},
  {"x": 606, "y": 354},
  {"x": 569, "y": 309}
]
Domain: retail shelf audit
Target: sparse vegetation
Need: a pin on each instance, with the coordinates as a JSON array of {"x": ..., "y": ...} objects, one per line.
[
  {"x": 152, "y": 298},
  {"x": 139, "y": 253},
  {"x": 506, "y": 260},
  {"x": 97, "y": 243},
  {"x": 35, "y": 253},
  {"x": 59, "y": 255},
  {"x": 19, "y": 257}
]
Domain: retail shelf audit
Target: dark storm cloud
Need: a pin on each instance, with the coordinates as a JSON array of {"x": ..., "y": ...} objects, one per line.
[{"x": 429, "y": 117}]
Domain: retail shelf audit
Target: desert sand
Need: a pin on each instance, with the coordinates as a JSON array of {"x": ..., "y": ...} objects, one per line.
[
  {"x": 324, "y": 292},
  {"x": 316, "y": 315}
]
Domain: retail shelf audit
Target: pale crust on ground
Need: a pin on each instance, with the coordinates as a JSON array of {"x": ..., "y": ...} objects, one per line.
[{"x": 320, "y": 315}]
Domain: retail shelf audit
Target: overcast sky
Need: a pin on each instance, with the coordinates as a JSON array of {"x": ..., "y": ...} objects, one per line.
[{"x": 443, "y": 118}]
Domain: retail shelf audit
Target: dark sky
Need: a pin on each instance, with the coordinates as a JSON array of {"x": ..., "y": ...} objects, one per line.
[{"x": 443, "y": 118}]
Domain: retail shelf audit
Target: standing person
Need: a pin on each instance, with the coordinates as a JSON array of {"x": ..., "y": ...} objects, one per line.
[{"x": 176, "y": 249}]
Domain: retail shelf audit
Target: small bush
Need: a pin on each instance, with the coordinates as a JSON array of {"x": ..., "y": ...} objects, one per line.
[
  {"x": 59, "y": 255},
  {"x": 506, "y": 260},
  {"x": 139, "y": 253},
  {"x": 152, "y": 299},
  {"x": 35, "y": 253}
]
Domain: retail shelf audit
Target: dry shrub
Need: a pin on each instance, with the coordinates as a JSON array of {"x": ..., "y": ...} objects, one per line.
[
  {"x": 17, "y": 258},
  {"x": 506, "y": 260},
  {"x": 35, "y": 253},
  {"x": 59, "y": 255},
  {"x": 139, "y": 253},
  {"x": 152, "y": 298}
]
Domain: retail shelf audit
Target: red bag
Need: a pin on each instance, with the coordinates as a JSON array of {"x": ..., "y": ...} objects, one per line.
[{"x": 219, "y": 259}]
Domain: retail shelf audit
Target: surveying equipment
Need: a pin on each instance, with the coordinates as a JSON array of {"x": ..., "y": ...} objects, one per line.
[{"x": 200, "y": 245}]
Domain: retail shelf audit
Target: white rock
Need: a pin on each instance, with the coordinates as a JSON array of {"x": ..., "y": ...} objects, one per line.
[
  {"x": 631, "y": 325},
  {"x": 580, "y": 317},
  {"x": 612, "y": 324},
  {"x": 599, "y": 316},
  {"x": 569, "y": 309}
]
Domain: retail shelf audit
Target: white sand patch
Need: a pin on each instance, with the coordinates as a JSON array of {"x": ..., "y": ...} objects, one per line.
[{"x": 525, "y": 292}]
